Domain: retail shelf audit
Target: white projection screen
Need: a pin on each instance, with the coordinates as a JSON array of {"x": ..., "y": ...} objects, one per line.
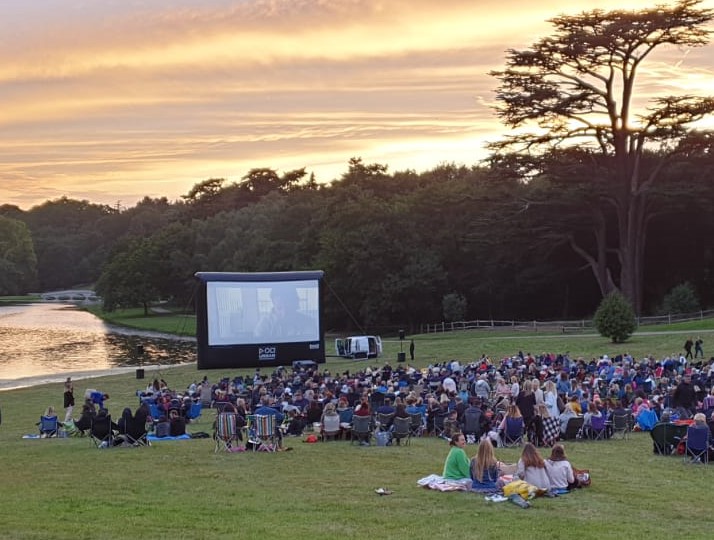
[{"x": 256, "y": 319}]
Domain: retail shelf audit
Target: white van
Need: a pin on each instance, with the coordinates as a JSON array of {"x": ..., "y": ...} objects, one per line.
[{"x": 359, "y": 347}]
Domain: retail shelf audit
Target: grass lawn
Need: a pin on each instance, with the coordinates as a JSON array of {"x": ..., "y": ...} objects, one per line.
[
  {"x": 168, "y": 322},
  {"x": 66, "y": 488},
  {"x": 10, "y": 300},
  {"x": 658, "y": 340}
]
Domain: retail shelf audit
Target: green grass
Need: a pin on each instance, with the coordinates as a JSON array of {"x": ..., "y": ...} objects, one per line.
[
  {"x": 470, "y": 344},
  {"x": 67, "y": 488},
  {"x": 171, "y": 323},
  {"x": 9, "y": 300}
]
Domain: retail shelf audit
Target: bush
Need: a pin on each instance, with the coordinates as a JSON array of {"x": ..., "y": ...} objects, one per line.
[
  {"x": 454, "y": 307},
  {"x": 615, "y": 318},
  {"x": 681, "y": 299}
]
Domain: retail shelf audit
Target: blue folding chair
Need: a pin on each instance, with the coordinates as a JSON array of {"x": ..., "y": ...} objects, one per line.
[
  {"x": 697, "y": 445},
  {"x": 49, "y": 426},
  {"x": 155, "y": 412},
  {"x": 195, "y": 411},
  {"x": 598, "y": 427},
  {"x": 513, "y": 434},
  {"x": 646, "y": 420}
]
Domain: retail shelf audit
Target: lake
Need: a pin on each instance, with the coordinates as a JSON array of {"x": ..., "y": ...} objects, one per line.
[{"x": 46, "y": 342}]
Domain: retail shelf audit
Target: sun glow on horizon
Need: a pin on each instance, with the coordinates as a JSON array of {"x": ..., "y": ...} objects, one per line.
[{"x": 108, "y": 103}]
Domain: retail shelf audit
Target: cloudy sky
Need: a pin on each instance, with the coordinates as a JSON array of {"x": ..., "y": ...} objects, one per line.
[{"x": 112, "y": 100}]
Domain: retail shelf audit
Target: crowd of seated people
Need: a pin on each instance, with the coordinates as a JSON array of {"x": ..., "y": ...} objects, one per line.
[{"x": 542, "y": 386}]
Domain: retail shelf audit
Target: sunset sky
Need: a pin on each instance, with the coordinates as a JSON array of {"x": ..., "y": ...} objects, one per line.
[{"x": 113, "y": 100}]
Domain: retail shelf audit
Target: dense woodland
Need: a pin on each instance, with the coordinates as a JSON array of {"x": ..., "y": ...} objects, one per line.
[
  {"x": 597, "y": 199},
  {"x": 393, "y": 246}
]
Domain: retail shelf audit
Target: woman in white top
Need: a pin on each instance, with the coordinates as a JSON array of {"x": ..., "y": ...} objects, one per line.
[
  {"x": 551, "y": 399},
  {"x": 515, "y": 388},
  {"x": 559, "y": 469},
  {"x": 531, "y": 468},
  {"x": 538, "y": 391}
]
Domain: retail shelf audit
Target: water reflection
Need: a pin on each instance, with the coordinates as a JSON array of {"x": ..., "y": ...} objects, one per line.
[{"x": 44, "y": 339}]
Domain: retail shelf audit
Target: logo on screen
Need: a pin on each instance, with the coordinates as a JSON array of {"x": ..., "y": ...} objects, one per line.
[
  {"x": 266, "y": 353},
  {"x": 314, "y": 346}
]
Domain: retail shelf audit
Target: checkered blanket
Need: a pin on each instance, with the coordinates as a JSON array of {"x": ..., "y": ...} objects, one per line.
[{"x": 551, "y": 430}]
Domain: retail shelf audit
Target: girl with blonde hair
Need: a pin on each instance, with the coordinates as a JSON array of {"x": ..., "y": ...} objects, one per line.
[{"x": 485, "y": 469}]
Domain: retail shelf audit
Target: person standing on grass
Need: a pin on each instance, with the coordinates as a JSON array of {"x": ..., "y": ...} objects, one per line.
[
  {"x": 688, "y": 348},
  {"x": 698, "y": 350},
  {"x": 68, "y": 399}
]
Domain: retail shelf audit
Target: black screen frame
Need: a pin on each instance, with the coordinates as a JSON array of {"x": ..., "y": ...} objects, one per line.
[{"x": 245, "y": 355}]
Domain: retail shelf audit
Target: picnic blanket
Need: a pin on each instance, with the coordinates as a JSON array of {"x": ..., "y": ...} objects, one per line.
[
  {"x": 183, "y": 437},
  {"x": 439, "y": 483}
]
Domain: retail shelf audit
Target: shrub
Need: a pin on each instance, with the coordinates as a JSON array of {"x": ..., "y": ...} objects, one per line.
[
  {"x": 454, "y": 307},
  {"x": 681, "y": 299},
  {"x": 615, "y": 318}
]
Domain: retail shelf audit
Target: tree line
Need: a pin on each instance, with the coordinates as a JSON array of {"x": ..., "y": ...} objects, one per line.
[{"x": 397, "y": 249}]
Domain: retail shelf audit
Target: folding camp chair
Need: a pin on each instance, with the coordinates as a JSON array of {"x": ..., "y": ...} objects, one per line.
[
  {"x": 265, "y": 433},
  {"x": 384, "y": 421},
  {"x": 71, "y": 429},
  {"x": 622, "y": 425},
  {"x": 416, "y": 426},
  {"x": 155, "y": 412},
  {"x": 598, "y": 428},
  {"x": 102, "y": 431},
  {"x": 439, "y": 423},
  {"x": 195, "y": 411},
  {"x": 697, "y": 445},
  {"x": 49, "y": 426},
  {"x": 473, "y": 423},
  {"x": 666, "y": 437},
  {"x": 401, "y": 429},
  {"x": 330, "y": 428},
  {"x": 135, "y": 432},
  {"x": 573, "y": 429},
  {"x": 226, "y": 432},
  {"x": 361, "y": 429},
  {"x": 513, "y": 433}
]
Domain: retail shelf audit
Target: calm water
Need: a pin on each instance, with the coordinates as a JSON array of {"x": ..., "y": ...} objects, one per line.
[{"x": 44, "y": 342}]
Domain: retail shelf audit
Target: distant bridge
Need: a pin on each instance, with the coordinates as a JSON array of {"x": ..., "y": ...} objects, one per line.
[{"x": 74, "y": 296}]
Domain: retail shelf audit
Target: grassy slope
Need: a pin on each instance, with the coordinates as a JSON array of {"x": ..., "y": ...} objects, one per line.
[
  {"x": 184, "y": 490},
  {"x": 470, "y": 344},
  {"x": 69, "y": 489}
]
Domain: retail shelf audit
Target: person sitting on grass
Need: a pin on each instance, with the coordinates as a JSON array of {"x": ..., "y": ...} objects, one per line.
[
  {"x": 177, "y": 424},
  {"x": 265, "y": 409},
  {"x": 457, "y": 466},
  {"x": 485, "y": 469},
  {"x": 560, "y": 471},
  {"x": 84, "y": 423},
  {"x": 531, "y": 468}
]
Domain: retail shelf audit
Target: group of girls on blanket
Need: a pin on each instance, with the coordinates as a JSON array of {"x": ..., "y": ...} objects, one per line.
[{"x": 484, "y": 473}]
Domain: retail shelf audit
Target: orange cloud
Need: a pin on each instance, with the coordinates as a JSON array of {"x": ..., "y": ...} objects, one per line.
[{"x": 113, "y": 101}]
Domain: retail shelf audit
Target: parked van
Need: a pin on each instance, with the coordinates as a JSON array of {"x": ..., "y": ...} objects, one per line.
[{"x": 359, "y": 347}]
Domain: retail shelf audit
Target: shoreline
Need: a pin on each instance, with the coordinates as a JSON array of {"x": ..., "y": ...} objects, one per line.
[{"x": 51, "y": 378}]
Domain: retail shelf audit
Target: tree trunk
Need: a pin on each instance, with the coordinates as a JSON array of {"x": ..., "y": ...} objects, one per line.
[{"x": 633, "y": 236}]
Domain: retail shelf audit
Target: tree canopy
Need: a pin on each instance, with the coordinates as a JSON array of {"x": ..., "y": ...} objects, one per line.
[{"x": 578, "y": 86}]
